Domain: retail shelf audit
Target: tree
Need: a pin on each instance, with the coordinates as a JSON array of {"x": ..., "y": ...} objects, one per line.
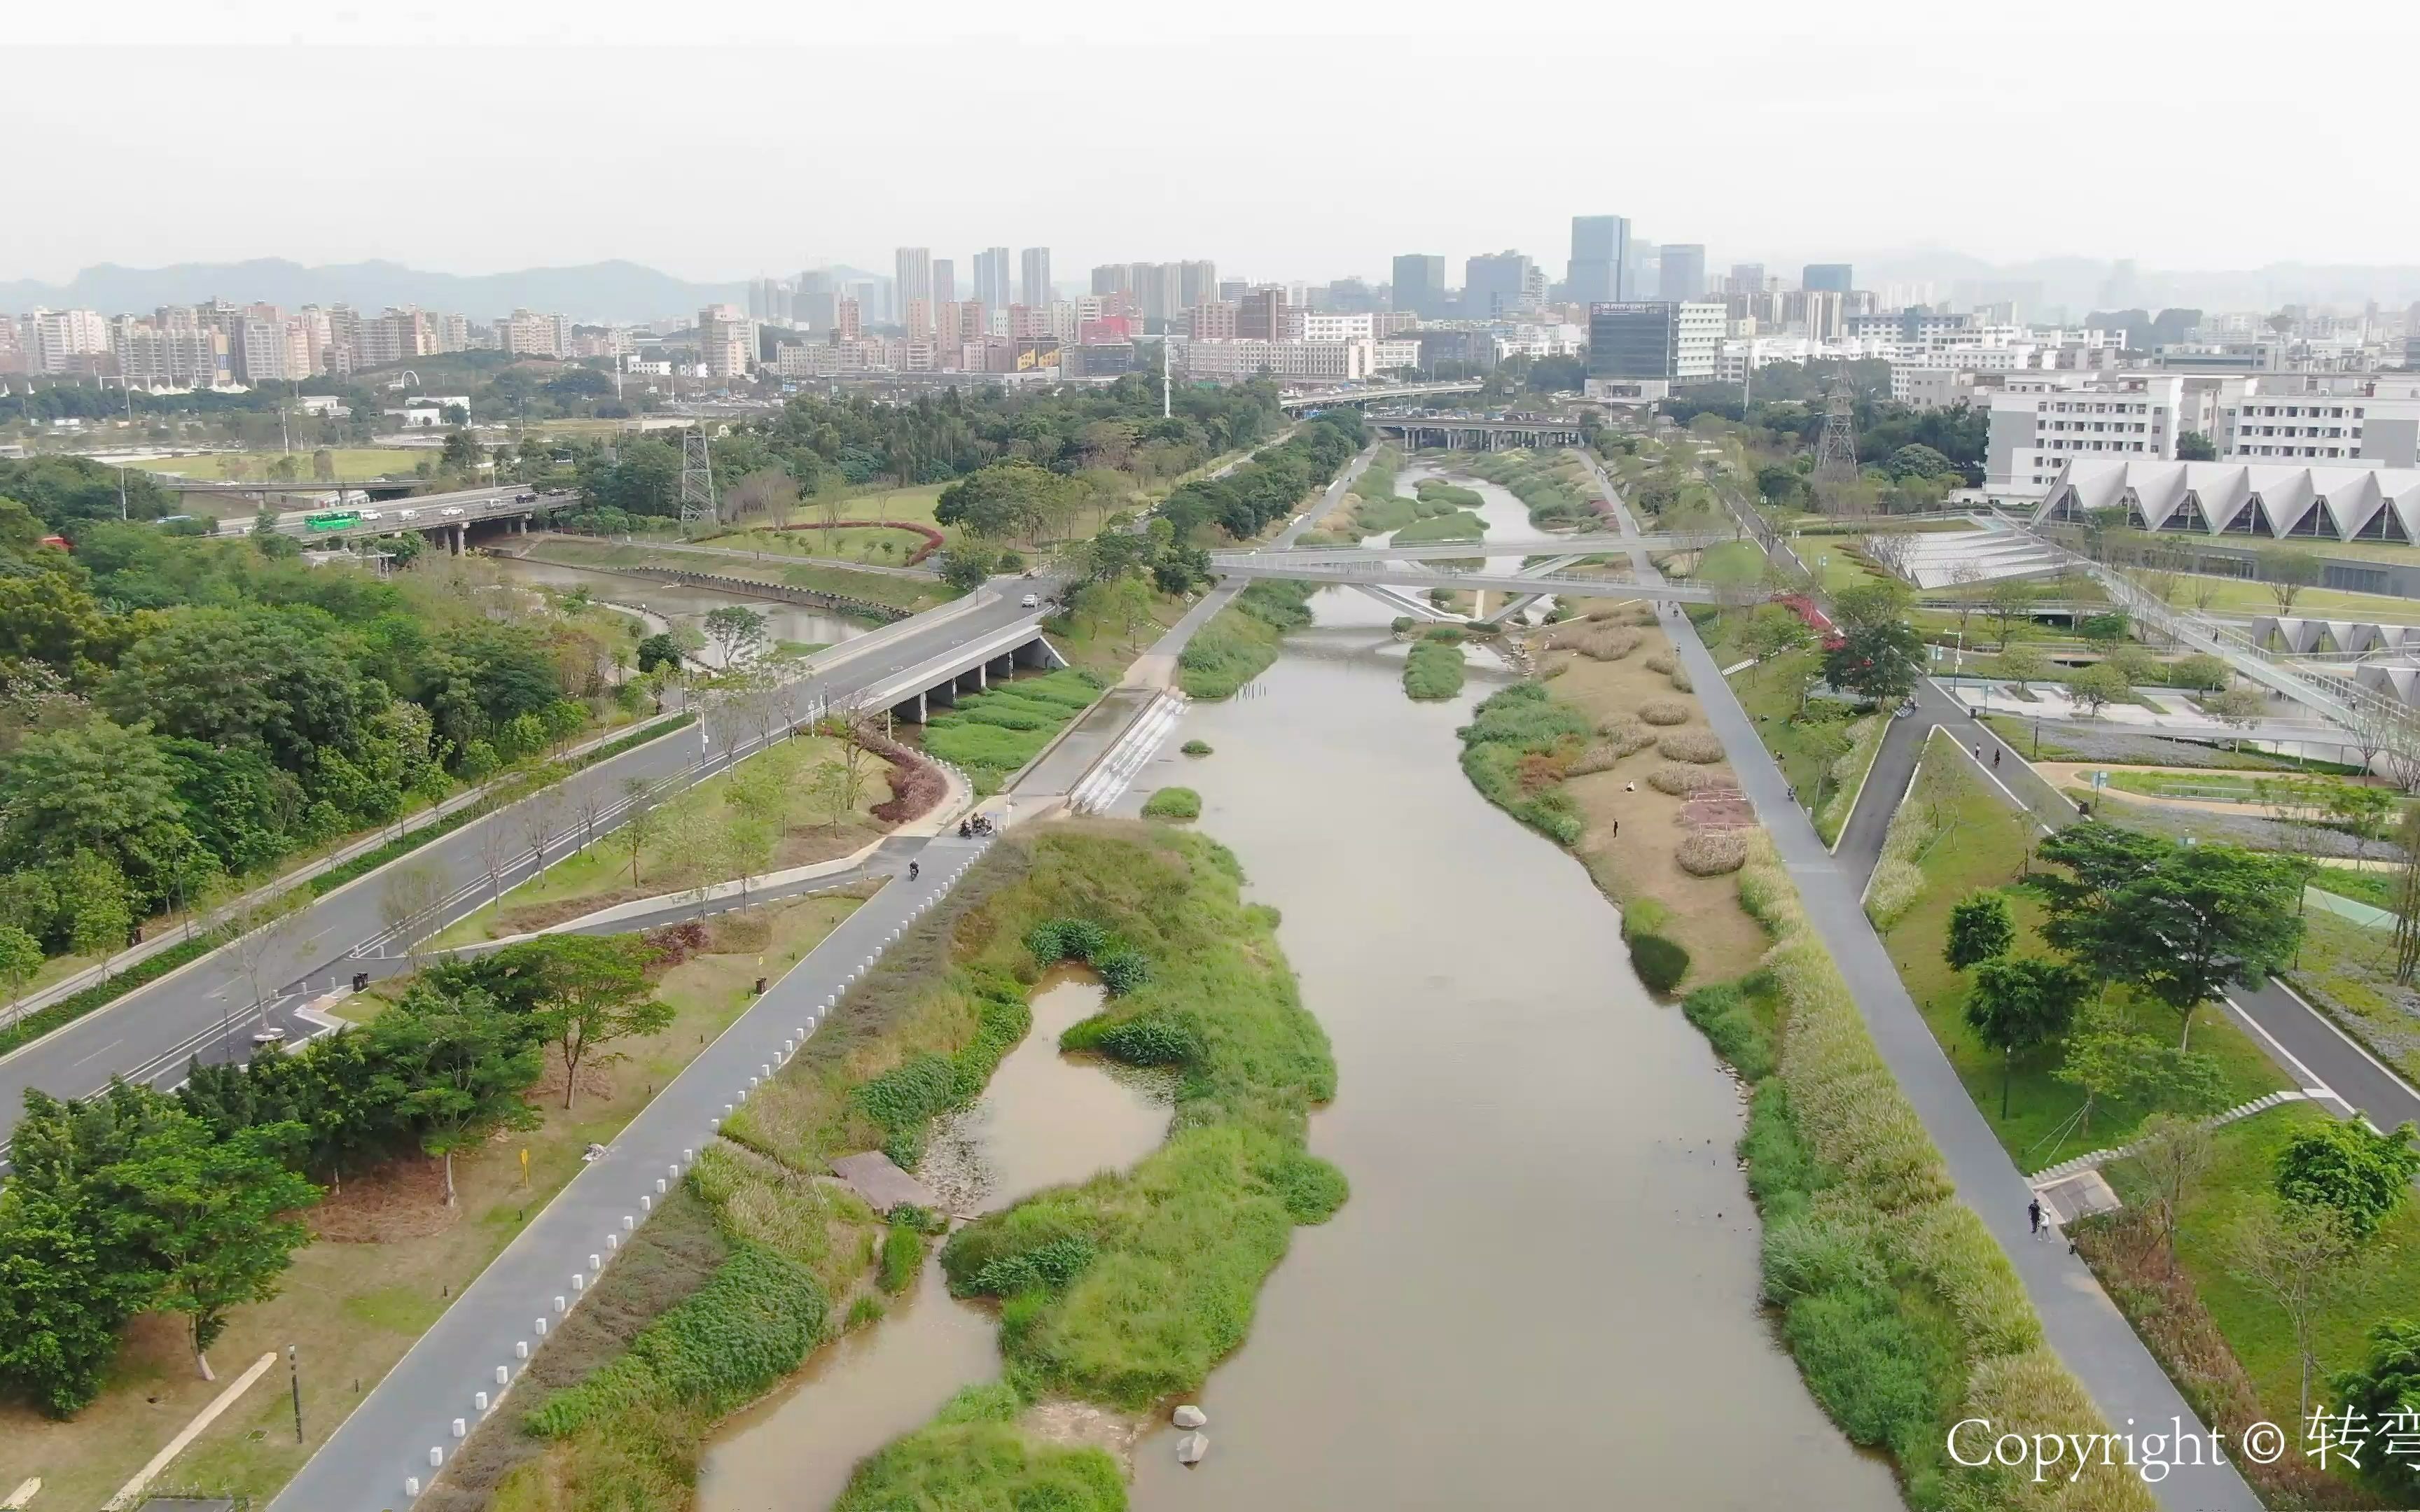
[
  {"x": 741, "y": 849},
  {"x": 640, "y": 820},
  {"x": 62, "y": 1302},
  {"x": 2098, "y": 860},
  {"x": 827, "y": 783},
  {"x": 2205, "y": 917},
  {"x": 2175, "y": 1153},
  {"x": 2192, "y": 447},
  {"x": 2097, "y": 686},
  {"x": 2018, "y": 1003},
  {"x": 407, "y": 899},
  {"x": 460, "y": 1070},
  {"x": 20, "y": 957},
  {"x": 538, "y": 819},
  {"x": 2112, "y": 1064},
  {"x": 2299, "y": 1256},
  {"x": 589, "y": 991},
  {"x": 1918, "y": 460},
  {"x": 2407, "y": 900},
  {"x": 1878, "y": 662},
  {"x": 461, "y": 453},
  {"x": 496, "y": 849},
  {"x": 212, "y": 1217},
  {"x": 2288, "y": 573},
  {"x": 2242, "y": 705},
  {"x": 658, "y": 650},
  {"x": 2341, "y": 1165},
  {"x": 1980, "y": 929},
  {"x": 2383, "y": 1386},
  {"x": 2200, "y": 672},
  {"x": 736, "y": 630},
  {"x": 1774, "y": 630},
  {"x": 2011, "y": 603},
  {"x": 1870, "y": 604},
  {"x": 2022, "y": 664},
  {"x": 92, "y": 894},
  {"x": 267, "y": 935},
  {"x": 966, "y": 568}
]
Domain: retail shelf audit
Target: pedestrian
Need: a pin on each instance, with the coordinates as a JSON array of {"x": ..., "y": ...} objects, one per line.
[
  {"x": 1616, "y": 830},
  {"x": 2034, "y": 1213},
  {"x": 1995, "y": 757},
  {"x": 1793, "y": 790},
  {"x": 1979, "y": 752},
  {"x": 914, "y": 868}
]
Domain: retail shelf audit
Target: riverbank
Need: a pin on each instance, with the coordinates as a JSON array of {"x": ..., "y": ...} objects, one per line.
[{"x": 906, "y": 595}]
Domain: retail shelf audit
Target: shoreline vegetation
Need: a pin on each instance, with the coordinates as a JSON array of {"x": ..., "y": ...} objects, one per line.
[
  {"x": 1120, "y": 1290},
  {"x": 1902, "y": 1312},
  {"x": 1241, "y": 641}
]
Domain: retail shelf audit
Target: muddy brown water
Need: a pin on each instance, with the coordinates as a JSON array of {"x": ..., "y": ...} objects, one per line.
[
  {"x": 1045, "y": 1118},
  {"x": 1544, "y": 1290}
]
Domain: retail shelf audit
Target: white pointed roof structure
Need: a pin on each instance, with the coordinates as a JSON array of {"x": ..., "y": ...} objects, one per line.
[{"x": 2334, "y": 502}]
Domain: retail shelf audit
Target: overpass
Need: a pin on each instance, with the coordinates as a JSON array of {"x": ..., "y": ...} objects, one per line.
[
  {"x": 1331, "y": 398},
  {"x": 1545, "y": 580},
  {"x": 443, "y": 517},
  {"x": 1597, "y": 543},
  {"x": 1477, "y": 433}
]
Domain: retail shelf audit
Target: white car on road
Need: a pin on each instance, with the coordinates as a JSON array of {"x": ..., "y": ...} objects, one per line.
[
  {"x": 450, "y": 510},
  {"x": 1029, "y": 601}
]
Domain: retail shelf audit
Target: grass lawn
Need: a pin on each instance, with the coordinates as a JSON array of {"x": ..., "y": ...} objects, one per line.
[
  {"x": 389, "y": 1256},
  {"x": 910, "y": 593},
  {"x": 2349, "y": 971},
  {"x": 2383, "y": 1283},
  {"x": 877, "y": 545},
  {"x": 2241, "y": 595},
  {"x": 1981, "y": 845},
  {"x": 997, "y": 731},
  {"x": 679, "y": 855},
  {"x": 1769, "y": 692},
  {"x": 2376, "y": 888},
  {"x": 354, "y": 464}
]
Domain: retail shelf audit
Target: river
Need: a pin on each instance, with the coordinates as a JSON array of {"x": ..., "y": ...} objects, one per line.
[
  {"x": 683, "y": 605},
  {"x": 1544, "y": 1290},
  {"x": 1046, "y": 1119}
]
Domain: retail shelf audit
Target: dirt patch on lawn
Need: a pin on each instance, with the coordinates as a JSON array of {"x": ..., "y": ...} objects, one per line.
[
  {"x": 401, "y": 1199},
  {"x": 1633, "y": 829},
  {"x": 1082, "y": 1425}
]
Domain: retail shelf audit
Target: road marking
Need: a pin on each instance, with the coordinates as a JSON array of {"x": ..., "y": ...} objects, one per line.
[
  {"x": 2311, "y": 1079},
  {"x": 102, "y": 1050},
  {"x": 2358, "y": 1048}
]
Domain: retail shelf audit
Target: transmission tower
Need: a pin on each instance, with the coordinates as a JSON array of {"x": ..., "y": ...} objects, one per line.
[
  {"x": 697, "y": 478},
  {"x": 1835, "y": 452}
]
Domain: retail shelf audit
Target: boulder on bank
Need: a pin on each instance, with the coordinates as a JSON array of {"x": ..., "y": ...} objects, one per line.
[
  {"x": 1190, "y": 1448},
  {"x": 1189, "y": 1416}
]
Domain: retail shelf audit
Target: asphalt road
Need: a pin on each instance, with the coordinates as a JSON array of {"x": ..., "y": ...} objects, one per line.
[
  {"x": 411, "y": 1411},
  {"x": 207, "y": 1008}
]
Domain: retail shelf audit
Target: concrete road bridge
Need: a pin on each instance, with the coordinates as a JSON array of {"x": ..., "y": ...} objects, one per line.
[
  {"x": 1398, "y": 574},
  {"x": 1471, "y": 433},
  {"x": 445, "y": 518},
  {"x": 1574, "y": 548},
  {"x": 1334, "y": 398}
]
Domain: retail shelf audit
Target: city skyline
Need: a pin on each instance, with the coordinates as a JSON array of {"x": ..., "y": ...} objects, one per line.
[{"x": 1756, "y": 180}]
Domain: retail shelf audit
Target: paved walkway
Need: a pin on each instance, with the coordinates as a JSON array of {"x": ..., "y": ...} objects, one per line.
[
  {"x": 2078, "y": 1318},
  {"x": 389, "y": 1437}
]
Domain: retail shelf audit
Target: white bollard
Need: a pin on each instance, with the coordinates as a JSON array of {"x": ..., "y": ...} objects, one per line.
[
  {"x": 764, "y": 1069},
  {"x": 503, "y": 1374},
  {"x": 435, "y": 1454},
  {"x": 460, "y": 1427},
  {"x": 579, "y": 1282},
  {"x": 478, "y": 1401},
  {"x": 726, "y": 1113},
  {"x": 612, "y": 1243},
  {"x": 596, "y": 1263},
  {"x": 559, "y": 1303},
  {"x": 646, "y": 1203},
  {"x": 541, "y": 1322},
  {"x": 659, "y": 1186},
  {"x": 629, "y": 1223},
  {"x": 687, "y": 1155},
  {"x": 520, "y": 1346},
  {"x": 743, "y": 1094},
  {"x": 412, "y": 1486}
]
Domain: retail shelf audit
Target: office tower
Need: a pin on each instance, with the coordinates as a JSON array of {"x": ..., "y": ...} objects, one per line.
[
  {"x": 1260, "y": 316},
  {"x": 1035, "y": 282},
  {"x": 1600, "y": 253},
  {"x": 1659, "y": 341},
  {"x": 1826, "y": 278},
  {"x": 1197, "y": 282},
  {"x": 1419, "y": 283},
  {"x": 1496, "y": 287},
  {"x": 918, "y": 318},
  {"x": 817, "y": 304},
  {"x": 915, "y": 281},
  {"x": 1746, "y": 278},
  {"x": 945, "y": 282},
  {"x": 1681, "y": 272},
  {"x": 992, "y": 279},
  {"x": 1111, "y": 278},
  {"x": 848, "y": 323}
]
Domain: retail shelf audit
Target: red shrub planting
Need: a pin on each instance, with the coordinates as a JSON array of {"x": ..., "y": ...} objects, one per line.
[{"x": 916, "y": 784}]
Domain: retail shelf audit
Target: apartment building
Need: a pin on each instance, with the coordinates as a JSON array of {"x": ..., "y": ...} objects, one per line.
[
  {"x": 2321, "y": 416},
  {"x": 2042, "y": 421},
  {"x": 1318, "y": 326},
  {"x": 1228, "y": 362},
  {"x": 172, "y": 357},
  {"x": 726, "y": 340},
  {"x": 54, "y": 339}
]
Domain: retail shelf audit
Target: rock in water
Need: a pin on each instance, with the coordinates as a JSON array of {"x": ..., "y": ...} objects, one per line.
[
  {"x": 1190, "y": 1448},
  {"x": 1189, "y": 1416}
]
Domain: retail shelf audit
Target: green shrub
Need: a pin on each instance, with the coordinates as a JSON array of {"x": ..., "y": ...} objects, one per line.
[
  {"x": 1661, "y": 962},
  {"x": 1174, "y": 803},
  {"x": 1724, "y": 1015},
  {"x": 984, "y": 1465},
  {"x": 1195, "y": 747},
  {"x": 1121, "y": 970},
  {"x": 1434, "y": 670},
  {"x": 903, "y": 1255}
]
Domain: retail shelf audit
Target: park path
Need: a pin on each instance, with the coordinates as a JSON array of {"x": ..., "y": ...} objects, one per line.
[{"x": 2079, "y": 1320}]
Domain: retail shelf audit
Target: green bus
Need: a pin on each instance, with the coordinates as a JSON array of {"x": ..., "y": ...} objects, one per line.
[{"x": 335, "y": 520}]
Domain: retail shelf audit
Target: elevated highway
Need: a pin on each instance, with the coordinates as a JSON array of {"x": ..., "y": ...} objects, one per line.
[{"x": 1335, "y": 398}]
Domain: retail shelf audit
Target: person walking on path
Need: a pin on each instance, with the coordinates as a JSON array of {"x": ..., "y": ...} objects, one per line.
[
  {"x": 2034, "y": 1213},
  {"x": 1995, "y": 757},
  {"x": 913, "y": 868}
]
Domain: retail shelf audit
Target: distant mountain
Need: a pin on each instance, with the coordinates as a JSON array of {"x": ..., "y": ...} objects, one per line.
[
  {"x": 590, "y": 292},
  {"x": 2045, "y": 286}
]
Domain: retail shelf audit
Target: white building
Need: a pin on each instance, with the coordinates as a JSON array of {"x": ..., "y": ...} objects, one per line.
[
  {"x": 2322, "y": 418},
  {"x": 2340, "y": 503},
  {"x": 726, "y": 338},
  {"x": 56, "y": 338},
  {"x": 1317, "y": 326},
  {"x": 1234, "y": 361},
  {"x": 1386, "y": 356},
  {"x": 2042, "y": 421}
]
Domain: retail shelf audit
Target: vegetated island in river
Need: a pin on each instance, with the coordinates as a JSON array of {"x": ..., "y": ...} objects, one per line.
[{"x": 1121, "y": 1292}]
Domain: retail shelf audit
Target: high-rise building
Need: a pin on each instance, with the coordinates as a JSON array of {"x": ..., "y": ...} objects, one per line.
[
  {"x": 1214, "y": 321},
  {"x": 918, "y": 318},
  {"x": 1826, "y": 278},
  {"x": 1745, "y": 278},
  {"x": 1112, "y": 278},
  {"x": 915, "y": 278},
  {"x": 1419, "y": 283},
  {"x": 1657, "y": 341},
  {"x": 945, "y": 282},
  {"x": 61, "y": 336},
  {"x": 1496, "y": 286},
  {"x": 848, "y": 323},
  {"x": 726, "y": 338},
  {"x": 1681, "y": 272},
  {"x": 1261, "y": 315},
  {"x": 814, "y": 306},
  {"x": 1600, "y": 253},
  {"x": 1197, "y": 282},
  {"x": 992, "y": 288},
  {"x": 1034, "y": 282}
]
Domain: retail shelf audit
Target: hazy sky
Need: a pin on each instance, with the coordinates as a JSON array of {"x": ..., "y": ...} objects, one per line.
[{"x": 1302, "y": 139}]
